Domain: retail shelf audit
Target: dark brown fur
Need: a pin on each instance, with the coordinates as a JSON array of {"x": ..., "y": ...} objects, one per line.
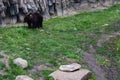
[{"x": 34, "y": 20}]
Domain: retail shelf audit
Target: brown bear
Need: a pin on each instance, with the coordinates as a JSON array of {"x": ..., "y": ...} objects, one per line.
[{"x": 34, "y": 20}]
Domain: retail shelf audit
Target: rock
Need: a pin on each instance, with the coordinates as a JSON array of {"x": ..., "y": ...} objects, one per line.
[
  {"x": 1, "y": 37},
  {"x": 41, "y": 30},
  {"x": 70, "y": 67},
  {"x": 41, "y": 78},
  {"x": 105, "y": 24},
  {"x": 21, "y": 62},
  {"x": 2, "y": 72},
  {"x": 81, "y": 74},
  {"x": 38, "y": 68},
  {"x": 23, "y": 77}
]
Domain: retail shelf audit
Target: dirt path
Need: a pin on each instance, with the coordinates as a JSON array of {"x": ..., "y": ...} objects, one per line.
[
  {"x": 89, "y": 57},
  {"x": 106, "y": 37},
  {"x": 93, "y": 64},
  {"x": 112, "y": 72}
]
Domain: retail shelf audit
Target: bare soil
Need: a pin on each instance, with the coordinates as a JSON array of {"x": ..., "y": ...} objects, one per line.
[
  {"x": 94, "y": 66},
  {"x": 102, "y": 72}
]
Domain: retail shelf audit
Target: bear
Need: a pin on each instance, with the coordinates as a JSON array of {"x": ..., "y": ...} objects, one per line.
[{"x": 34, "y": 20}]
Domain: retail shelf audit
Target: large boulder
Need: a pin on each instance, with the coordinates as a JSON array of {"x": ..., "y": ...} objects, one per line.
[{"x": 81, "y": 74}]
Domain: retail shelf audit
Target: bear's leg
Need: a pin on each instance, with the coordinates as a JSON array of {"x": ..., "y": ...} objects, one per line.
[
  {"x": 29, "y": 25},
  {"x": 40, "y": 25},
  {"x": 35, "y": 25}
]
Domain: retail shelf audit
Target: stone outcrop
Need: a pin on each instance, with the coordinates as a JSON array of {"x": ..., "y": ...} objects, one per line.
[
  {"x": 71, "y": 72},
  {"x": 13, "y": 11},
  {"x": 81, "y": 74}
]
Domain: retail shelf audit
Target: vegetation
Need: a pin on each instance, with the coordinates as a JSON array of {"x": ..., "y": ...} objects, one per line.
[{"x": 60, "y": 40}]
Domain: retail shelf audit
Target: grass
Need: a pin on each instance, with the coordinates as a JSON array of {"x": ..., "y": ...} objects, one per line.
[{"x": 61, "y": 38}]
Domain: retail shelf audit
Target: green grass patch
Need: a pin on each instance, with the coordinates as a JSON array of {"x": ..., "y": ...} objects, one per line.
[{"x": 60, "y": 39}]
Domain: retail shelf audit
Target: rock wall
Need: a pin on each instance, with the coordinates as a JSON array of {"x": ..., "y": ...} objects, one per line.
[{"x": 13, "y": 11}]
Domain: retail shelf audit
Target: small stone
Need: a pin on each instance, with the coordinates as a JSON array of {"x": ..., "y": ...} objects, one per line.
[
  {"x": 2, "y": 72},
  {"x": 70, "y": 67},
  {"x": 42, "y": 30},
  {"x": 23, "y": 77},
  {"x": 81, "y": 74},
  {"x": 105, "y": 24},
  {"x": 21, "y": 62},
  {"x": 1, "y": 37},
  {"x": 75, "y": 28}
]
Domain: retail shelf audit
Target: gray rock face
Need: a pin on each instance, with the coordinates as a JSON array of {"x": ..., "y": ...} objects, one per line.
[
  {"x": 23, "y": 77},
  {"x": 70, "y": 67},
  {"x": 15, "y": 10},
  {"x": 21, "y": 62},
  {"x": 81, "y": 74}
]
